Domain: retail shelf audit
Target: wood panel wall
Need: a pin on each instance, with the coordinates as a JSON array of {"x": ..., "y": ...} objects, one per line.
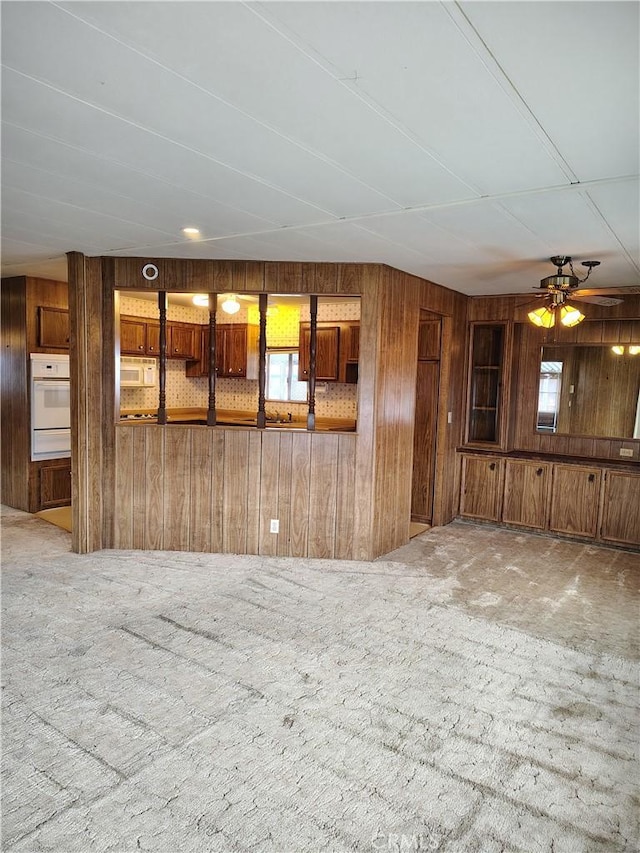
[
  {"x": 200, "y": 489},
  {"x": 20, "y": 297},
  {"x": 215, "y": 489},
  {"x": 603, "y": 324}
]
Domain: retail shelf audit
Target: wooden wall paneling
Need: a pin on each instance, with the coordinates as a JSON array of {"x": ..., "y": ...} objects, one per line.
[
  {"x": 285, "y": 475},
  {"x": 91, "y": 393},
  {"x": 396, "y": 392},
  {"x": 254, "y": 480},
  {"x": 345, "y": 497},
  {"x": 370, "y": 320},
  {"x": 137, "y": 470},
  {"x": 355, "y": 278},
  {"x": 269, "y": 484},
  {"x": 178, "y": 471},
  {"x": 323, "y": 476},
  {"x": 320, "y": 278},
  {"x": 200, "y": 523},
  {"x": 300, "y": 485},
  {"x": 178, "y": 274},
  {"x": 217, "y": 464},
  {"x": 235, "y": 510},
  {"x": 15, "y": 409},
  {"x": 154, "y": 498},
  {"x": 125, "y": 478},
  {"x": 282, "y": 277},
  {"x": 247, "y": 276},
  {"x": 602, "y": 448}
]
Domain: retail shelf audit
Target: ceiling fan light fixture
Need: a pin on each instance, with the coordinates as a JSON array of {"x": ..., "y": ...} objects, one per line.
[
  {"x": 230, "y": 304},
  {"x": 201, "y": 299},
  {"x": 544, "y": 317}
]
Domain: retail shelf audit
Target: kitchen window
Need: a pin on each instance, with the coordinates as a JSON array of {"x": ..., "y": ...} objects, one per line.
[{"x": 282, "y": 377}]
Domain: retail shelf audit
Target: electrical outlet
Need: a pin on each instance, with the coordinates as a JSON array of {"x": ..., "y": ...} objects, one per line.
[
  {"x": 275, "y": 525},
  {"x": 626, "y": 451}
]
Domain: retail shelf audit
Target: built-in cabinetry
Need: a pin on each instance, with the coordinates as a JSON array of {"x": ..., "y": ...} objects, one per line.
[
  {"x": 34, "y": 317},
  {"x": 571, "y": 499},
  {"x": 53, "y": 328},
  {"x": 236, "y": 352},
  {"x": 50, "y": 484},
  {"x": 141, "y": 336},
  {"x": 337, "y": 352},
  {"x": 487, "y": 358}
]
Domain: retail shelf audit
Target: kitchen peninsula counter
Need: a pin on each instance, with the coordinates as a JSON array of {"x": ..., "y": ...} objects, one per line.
[{"x": 231, "y": 418}]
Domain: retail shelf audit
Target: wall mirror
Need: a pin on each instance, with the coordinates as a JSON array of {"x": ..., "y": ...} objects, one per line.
[{"x": 590, "y": 390}]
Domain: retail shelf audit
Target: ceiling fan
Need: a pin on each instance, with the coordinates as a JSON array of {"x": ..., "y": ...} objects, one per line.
[{"x": 562, "y": 286}]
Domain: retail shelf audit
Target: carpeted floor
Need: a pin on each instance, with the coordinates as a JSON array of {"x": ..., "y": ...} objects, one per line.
[{"x": 193, "y": 702}]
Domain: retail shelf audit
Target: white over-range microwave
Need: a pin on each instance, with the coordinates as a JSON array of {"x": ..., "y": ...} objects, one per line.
[{"x": 137, "y": 372}]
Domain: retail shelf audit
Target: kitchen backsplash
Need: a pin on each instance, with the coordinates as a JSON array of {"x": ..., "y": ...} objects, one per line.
[{"x": 333, "y": 400}]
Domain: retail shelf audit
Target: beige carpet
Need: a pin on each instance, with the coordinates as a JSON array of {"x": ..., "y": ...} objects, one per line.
[
  {"x": 60, "y": 516},
  {"x": 208, "y": 703}
]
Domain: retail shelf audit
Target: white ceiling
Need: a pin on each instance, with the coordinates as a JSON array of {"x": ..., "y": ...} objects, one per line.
[{"x": 463, "y": 142}]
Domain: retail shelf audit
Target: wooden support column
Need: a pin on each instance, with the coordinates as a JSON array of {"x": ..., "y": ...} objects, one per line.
[
  {"x": 92, "y": 393},
  {"x": 211, "y": 410},
  {"x": 313, "y": 347},
  {"x": 162, "y": 399},
  {"x": 261, "y": 420}
]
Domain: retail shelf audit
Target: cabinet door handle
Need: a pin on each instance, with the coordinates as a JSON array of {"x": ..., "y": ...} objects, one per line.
[
  {"x": 492, "y": 466},
  {"x": 539, "y": 471},
  {"x": 592, "y": 477}
]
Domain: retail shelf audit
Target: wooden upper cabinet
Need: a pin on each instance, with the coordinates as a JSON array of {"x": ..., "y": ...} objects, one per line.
[
  {"x": 575, "y": 498},
  {"x": 152, "y": 339},
  {"x": 327, "y": 353},
  {"x": 133, "y": 336},
  {"x": 526, "y": 493},
  {"x": 53, "y": 328},
  {"x": 181, "y": 341},
  {"x": 236, "y": 352},
  {"x": 621, "y": 508}
]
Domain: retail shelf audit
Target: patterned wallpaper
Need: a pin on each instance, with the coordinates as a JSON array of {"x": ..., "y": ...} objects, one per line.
[{"x": 333, "y": 399}]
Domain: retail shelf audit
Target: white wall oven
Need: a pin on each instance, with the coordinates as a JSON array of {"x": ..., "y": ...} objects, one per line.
[{"x": 50, "y": 407}]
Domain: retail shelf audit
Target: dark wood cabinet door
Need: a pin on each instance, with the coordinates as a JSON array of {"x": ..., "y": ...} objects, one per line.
[
  {"x": 181, "y": 341},
  {"x": 133, "y": 337},
  {"x": 327, "y": 353},
  {"x": 55, "y": 485},
  {"x": 152, "y": 338},
  {"x": 232, "y": 360},
  {"x": 53, "y": 328}
]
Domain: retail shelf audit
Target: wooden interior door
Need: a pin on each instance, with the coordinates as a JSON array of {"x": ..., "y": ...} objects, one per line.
[{"x": 426, "y": 420}]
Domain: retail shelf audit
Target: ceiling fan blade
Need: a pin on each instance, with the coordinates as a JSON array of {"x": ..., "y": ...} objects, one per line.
[
  {"x": 599, "y": 300},
  {"x": 608, "y": 291}
]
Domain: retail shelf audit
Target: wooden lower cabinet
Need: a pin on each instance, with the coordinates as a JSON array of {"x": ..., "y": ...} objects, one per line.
[
  {"x": 585, "y": 502},
  {"x": 481, "y": 487},
  {"x": 49, "y": 484},
  {"x": 526, "y": 493},
  {"x": 621, "y": 508},
  {"x": 575, "y": 499}
]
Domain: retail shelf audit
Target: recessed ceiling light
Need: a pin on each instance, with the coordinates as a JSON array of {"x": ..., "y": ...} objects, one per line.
[{"x": 191, "y": 232}]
